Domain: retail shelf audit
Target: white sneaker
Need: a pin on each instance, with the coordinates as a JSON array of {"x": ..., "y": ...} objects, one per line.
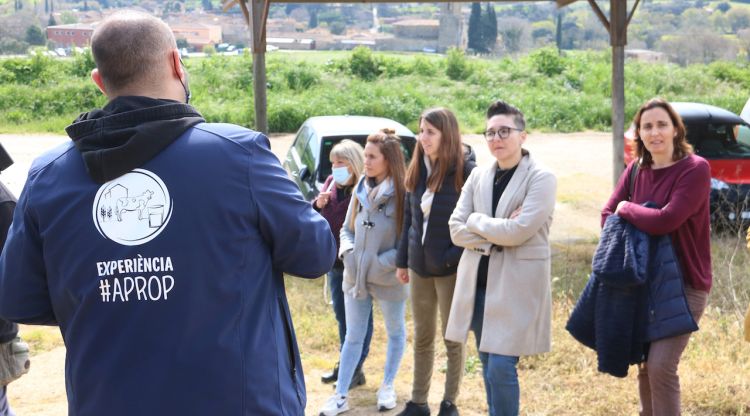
[
  {"x": 334, "y": 405},
  {"x": 386, "y": 397}
]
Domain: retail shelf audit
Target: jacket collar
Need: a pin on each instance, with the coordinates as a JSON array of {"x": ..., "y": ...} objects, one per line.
[{"x": 488, "y": 180}]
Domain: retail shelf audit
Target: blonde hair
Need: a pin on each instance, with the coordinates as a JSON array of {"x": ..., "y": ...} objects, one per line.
[{"x": 352, "y": 152}]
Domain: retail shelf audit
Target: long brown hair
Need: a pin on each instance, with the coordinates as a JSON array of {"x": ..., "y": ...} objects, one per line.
[
  {"x": 450, "y": 152},
  {"x": 390, "y": 146},
  {"x": 681, "y": 147}
]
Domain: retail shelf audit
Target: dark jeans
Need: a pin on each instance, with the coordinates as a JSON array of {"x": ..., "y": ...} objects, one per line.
[
  {"x": 499, "y": 371},
  {"x": 335, "y": 279}
]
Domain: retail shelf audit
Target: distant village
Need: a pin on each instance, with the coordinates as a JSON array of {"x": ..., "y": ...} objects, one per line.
[{"x": 199, "y": 31}]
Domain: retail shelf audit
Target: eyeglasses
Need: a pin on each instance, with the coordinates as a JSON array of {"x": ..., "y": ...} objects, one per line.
[{"x": 502, "y": 133}]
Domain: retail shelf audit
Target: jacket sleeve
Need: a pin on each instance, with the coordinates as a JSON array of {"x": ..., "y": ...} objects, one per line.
[
  {"x": 299, "y": 239},
  {"x": 346, "y": 235},
  {"x": 537, "y": 207},
  {"x": 460, "y": 234},
  {"x": 402, "y": 258},
  {"x": 688, "y": 196},
  {"x": 24, "y": 294}
]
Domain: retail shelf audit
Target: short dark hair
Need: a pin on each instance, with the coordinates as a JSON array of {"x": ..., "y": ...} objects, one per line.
[
  {"x": 500, "y": 107},
  {"x": 128, "y": 46}
]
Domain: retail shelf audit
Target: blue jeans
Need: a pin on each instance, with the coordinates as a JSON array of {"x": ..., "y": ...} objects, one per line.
[
  {"x": 358, "y": 312},
  {"x": 499, "y": 371},
  {"x": 4, "y": 406},
  {"x": 335, "y": 279}
]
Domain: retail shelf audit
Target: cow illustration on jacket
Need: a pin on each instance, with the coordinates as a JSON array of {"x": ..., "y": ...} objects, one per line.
[{"x": 133, "y": 203}]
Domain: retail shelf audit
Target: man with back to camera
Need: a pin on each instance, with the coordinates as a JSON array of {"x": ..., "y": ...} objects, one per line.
[{"x": 157, "y": 242}]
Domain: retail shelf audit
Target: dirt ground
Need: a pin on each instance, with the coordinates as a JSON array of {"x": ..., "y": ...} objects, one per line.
[{"x": 582, "y": 163}]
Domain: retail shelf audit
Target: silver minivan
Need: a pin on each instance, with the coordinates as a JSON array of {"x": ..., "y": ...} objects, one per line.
[{"x": 307, "y": 160}]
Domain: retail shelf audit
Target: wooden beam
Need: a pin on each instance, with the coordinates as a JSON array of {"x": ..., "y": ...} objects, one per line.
[
  {"x": 632, "y": 12},
  {"x": 618, "y": 38},
  {"x": 600, "y": 15},
  {"x": 258, "y": 16}
]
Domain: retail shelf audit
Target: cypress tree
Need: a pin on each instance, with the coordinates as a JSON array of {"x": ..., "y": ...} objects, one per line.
[
  {"x": 489, "y": 28},
  {"x": 475, "y": 28}
]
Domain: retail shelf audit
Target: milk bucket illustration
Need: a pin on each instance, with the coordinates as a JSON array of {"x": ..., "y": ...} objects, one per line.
[{"x": 155, "y": 216}]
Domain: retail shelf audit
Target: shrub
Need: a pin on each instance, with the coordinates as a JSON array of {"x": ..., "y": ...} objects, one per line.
[
  {"x": 83, "y": 63},
  {"x": 456, "y": 66},
  {"x": 301, "y": 77},
  {"x": 362, "y": 64},
  {"x": 547, "y": 62}
]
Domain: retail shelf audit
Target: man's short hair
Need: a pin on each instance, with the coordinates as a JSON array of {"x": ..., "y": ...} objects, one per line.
[
  {"x": 502, "y": 108},
  {"x": 128, "y": 46}
]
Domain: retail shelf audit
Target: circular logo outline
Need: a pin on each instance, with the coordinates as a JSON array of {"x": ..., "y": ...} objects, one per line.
[{"x": 140, "y": 207}]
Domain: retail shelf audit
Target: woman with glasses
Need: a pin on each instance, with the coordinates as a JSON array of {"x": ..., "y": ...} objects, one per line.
[
  {"x": 426, "y": 255},
  {"x": 368, "y": 249},
  {"x": 503, "y": 292},
  {"x": 679, "y": 183}
]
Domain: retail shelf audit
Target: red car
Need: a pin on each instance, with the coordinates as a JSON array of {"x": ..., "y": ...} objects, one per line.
[{"x": 714, "y": 133}]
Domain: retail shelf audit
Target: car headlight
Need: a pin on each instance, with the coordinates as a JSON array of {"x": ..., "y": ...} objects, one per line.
[{"x": 718, "y": 184}]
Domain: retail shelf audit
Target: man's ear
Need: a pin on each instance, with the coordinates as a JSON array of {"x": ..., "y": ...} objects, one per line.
[
  {"x": 97, "y": 78},
  {"x": 179, "y": 71}
]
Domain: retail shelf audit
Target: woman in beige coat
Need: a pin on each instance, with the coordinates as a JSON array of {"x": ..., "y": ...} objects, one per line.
[{"x": 503, "y": 286}]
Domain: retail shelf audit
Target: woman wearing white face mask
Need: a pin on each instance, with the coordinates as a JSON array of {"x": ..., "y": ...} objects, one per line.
[{"x": 347, "y": 163}]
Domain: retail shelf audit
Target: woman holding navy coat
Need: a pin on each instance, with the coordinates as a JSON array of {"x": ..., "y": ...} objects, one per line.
[{"x": 677, "y": 181}]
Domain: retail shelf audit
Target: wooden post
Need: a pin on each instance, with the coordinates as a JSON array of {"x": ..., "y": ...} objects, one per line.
[
  {"x": 258, "y": 12},
  {"x": 618, "y": 37}
]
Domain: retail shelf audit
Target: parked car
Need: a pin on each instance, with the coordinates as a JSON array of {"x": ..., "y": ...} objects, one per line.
[
  {"x": 307, "y": 159},
  {"x": 718, "y": 135}
]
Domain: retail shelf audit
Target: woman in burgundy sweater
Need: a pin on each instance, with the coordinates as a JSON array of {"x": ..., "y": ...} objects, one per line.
[{"x": 678, "y": 181}]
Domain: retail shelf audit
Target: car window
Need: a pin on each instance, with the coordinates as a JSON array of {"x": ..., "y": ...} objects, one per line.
[
  {"x": 309, "y": 153},
  {"x": 324, "y": 169},
  {"x": 300, "y": 142},
  {"x": 718, "y": 141},
  {"x": 742, "y": 133}
]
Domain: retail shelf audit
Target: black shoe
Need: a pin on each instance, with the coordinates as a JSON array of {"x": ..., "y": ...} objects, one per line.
[
  {"x": 415, "y": 409},
  {"x": 448, "y": 408},
  {"x": 358, "y": 379},
  {"x": 331, "y": 377}
]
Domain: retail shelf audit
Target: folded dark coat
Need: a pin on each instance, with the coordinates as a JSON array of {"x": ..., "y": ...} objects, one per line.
[{"x": 634, "y": 296}]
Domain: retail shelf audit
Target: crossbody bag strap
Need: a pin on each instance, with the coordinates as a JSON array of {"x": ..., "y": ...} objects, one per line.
[{"x": 631, "y": 180}]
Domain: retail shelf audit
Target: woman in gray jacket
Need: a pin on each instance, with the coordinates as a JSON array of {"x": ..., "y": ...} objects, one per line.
[{"x": 368, "y": 249}]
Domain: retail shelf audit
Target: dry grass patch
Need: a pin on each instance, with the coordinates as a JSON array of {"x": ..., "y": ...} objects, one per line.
[{"x": 715, "y": 369}]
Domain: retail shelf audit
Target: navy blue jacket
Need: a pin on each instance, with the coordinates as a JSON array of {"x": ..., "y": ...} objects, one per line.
[
  {"x": 438, "y": 256},
  {"x": 167, "y": 282},
  {"x": 634, "y": 296}
]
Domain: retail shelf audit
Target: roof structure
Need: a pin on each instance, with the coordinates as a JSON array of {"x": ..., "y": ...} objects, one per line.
[{"x": 256, "y": 15}]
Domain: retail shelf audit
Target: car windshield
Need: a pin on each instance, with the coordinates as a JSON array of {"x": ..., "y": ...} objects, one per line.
[
  {"x": 718, "y": 141},
  {"x": 324, "y": 169}
]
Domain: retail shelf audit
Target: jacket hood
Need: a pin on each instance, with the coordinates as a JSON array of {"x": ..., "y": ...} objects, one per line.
[
  {"x": 128, "y": 132},
  {"x": 469, "y": 155}
]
